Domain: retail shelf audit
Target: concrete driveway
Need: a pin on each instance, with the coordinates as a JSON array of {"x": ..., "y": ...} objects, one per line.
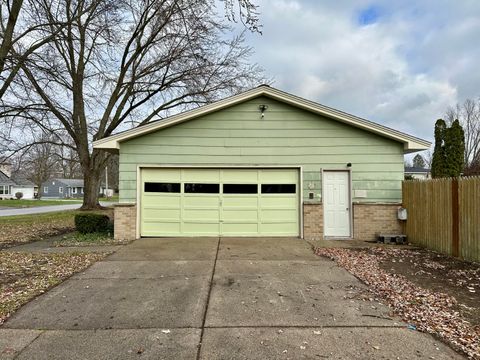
[{"x": 209, "y": 299}]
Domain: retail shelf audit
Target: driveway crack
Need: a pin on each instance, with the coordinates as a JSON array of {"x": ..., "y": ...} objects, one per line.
[
  {"x": 26, "y": 346},
  {"x": 210, "y": 286}
]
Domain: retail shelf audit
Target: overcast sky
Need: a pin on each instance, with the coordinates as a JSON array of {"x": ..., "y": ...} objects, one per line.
[{"x": 397, "y": 62}]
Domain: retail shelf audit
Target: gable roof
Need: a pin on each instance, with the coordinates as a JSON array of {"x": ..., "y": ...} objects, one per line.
[
  {"x": 412, "y": 169},
  {"x": 411, "y": 143},
  {"x": 23, "y": 182},
  {"x": 5, "y": 180},
  {"x": 71, "y": 182}
]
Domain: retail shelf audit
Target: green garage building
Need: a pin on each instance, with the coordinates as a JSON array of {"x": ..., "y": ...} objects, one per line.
[{"x": 261, "y": 163}]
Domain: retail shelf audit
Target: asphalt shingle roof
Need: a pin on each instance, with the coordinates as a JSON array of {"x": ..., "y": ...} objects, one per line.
[
  {"x": 416, "y": 169},
  {"x": 23, "y": 182},
  {"x": 71, "y": 182},
  {"x": 5, "y": 180}
]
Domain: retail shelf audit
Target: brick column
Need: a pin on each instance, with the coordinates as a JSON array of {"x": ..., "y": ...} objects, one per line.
[
  {"x": 313, "y": 221},
  {"x": 125, "y": 224}
]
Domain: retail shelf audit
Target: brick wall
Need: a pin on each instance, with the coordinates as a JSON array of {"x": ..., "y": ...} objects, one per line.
[
  {"x": 369, "y": 220},
  {"x": 313, "y": 221},
  {"x": 125, "y": 222}
]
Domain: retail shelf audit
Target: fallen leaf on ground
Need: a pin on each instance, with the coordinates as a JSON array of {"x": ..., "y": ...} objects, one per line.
[{"x": 427, "y": 311}]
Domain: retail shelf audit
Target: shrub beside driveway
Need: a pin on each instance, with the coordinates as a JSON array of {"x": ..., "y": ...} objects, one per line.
[
  {"x": 20, "y": 229},
  {"x": 24, "y": 276}
]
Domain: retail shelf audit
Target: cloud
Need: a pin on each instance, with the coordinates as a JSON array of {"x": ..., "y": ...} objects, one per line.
[{"x": 401, "y": 64}]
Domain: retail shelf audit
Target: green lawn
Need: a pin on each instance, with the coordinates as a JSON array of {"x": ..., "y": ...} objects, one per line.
[
  {"x": 38, "y": 218},
  {"x": 31, "y": 203},
  {"x": 26, "y": 228}
]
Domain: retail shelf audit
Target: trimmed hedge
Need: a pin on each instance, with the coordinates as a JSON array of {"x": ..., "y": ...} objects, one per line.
[{"x": 92, "y": 223}]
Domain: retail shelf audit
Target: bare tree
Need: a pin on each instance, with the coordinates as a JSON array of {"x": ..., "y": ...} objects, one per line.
[
  {"x": 68, "y": 161},
  {"x": 246, "y": 11},
  {"x": 428, "y": 156},
  {"x": 40, "y": 163},
  {"x": 418, "y": 161},
  {"x": 468, "y": 114},
  {"x": 9, "y": 16},
  {"x": 22, "y": 36},
  {"x": 122, "y": 63}
]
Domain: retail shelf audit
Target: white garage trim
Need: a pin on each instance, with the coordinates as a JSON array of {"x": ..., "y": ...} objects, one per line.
[{"x": 216, "y": 166}]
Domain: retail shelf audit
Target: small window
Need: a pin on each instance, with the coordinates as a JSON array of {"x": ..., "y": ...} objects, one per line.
[
  {"x": 45, "y": 190},
  {"x": 202, "y": 188},
  {"x": 162, "y": 187},
  {"x": 278, "y": 188},
  {"x": 1, "y": 189},
  {"x": 60, "y": 190},
  {"x": 240, "y": 188}
]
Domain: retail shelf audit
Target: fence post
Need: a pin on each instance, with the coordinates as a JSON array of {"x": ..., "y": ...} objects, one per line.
[{"x": 455, "y": 220}]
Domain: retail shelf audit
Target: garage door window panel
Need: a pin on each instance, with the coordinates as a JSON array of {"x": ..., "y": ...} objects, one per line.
[
  {"x": 278, "y": 189},
  {"x": 240, "y": 188},
  {"x": 162, "y": 187},
  {"x": 199, "y": 188}
]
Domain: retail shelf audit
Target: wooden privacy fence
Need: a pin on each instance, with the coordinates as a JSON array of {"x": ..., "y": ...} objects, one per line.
[{"x": 444, "y": 215}]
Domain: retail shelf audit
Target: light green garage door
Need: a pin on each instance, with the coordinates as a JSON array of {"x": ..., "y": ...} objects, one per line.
[{"x": 219, "y": 202}]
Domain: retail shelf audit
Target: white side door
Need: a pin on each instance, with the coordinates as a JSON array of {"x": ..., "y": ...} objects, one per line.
[{"x": 336, "y": 204}]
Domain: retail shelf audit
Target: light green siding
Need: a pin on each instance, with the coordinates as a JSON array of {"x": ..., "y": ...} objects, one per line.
[{"x": 286, "y": 136}]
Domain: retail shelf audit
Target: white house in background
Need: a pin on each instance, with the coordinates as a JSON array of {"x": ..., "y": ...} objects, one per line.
[
  {"x": 26, "y": 187},
  {"x": 417, "y": 173},
  {"x": 9, "y": 185}
]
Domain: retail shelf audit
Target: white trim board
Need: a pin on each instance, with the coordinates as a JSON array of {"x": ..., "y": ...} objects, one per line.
[{"x": 410, "y": 143}]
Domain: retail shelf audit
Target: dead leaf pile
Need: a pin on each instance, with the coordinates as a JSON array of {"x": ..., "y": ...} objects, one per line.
[
  {"x": 429, "y": 311},
  {"x": 25, "y": 275},
  {"x": 23, "y": 233}
]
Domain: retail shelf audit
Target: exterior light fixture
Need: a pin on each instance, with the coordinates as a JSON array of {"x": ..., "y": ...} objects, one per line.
[
  {"x": 349, "y": 164},
  {"x": 263, "y": 108}
]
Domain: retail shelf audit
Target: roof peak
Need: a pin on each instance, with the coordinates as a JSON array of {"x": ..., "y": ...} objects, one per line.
[{"x": 411, "y": 143}]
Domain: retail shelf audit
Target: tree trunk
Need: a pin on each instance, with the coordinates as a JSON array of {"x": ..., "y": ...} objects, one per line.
[
  {"x": 39, "y": 191},
  {"x": 91, "y": 188},
  {"x": 91, "y": 166}
]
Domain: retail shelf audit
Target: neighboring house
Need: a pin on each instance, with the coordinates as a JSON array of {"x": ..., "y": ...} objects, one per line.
[
  {"x": 62, "y": 188},
  {"x": 260, "y": 163},
  {"x": 9, "y": 185},
  {"x": 417, "y": 173},
  {"x": 24, "y": 186}
]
